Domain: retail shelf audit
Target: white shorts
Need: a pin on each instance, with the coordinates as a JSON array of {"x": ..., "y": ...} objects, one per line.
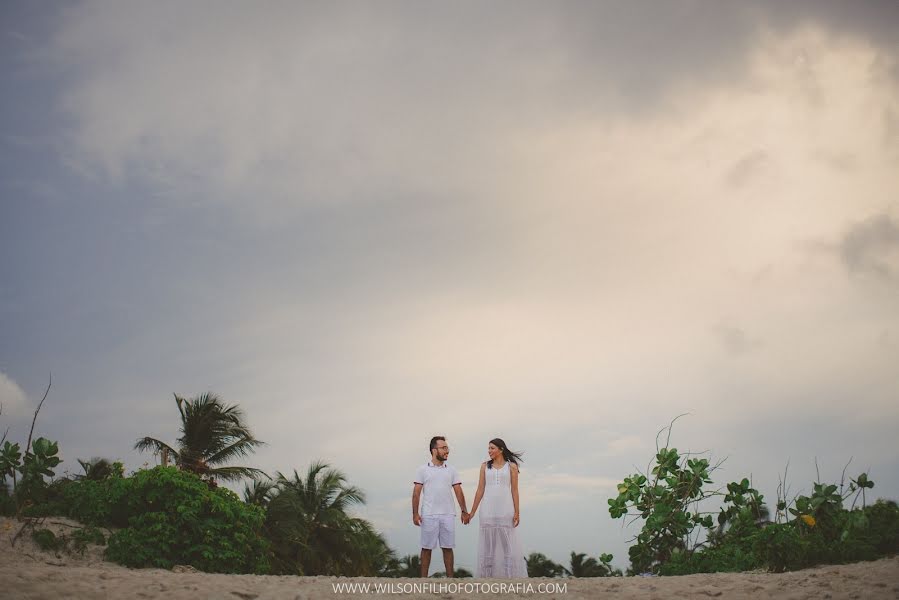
[{"x": 438, "y": 529}]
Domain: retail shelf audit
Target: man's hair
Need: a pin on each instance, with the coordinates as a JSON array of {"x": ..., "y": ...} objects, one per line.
[{"x": 434, "y": 441}]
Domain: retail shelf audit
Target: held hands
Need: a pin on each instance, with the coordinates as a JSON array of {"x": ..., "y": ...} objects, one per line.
[{"x": 466, "y": 517}]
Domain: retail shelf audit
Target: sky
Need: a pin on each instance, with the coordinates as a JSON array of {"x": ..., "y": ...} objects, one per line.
[{"x": 560, "y": 224}]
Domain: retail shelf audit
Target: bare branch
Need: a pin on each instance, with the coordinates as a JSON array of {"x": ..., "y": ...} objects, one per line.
[
  {"x": 669, "y": 428},
  {"x": 5, "y": 433},
  {"x": 843, "y": 476},
  {"x": 28, "y": 522},
  {"x": 37, "y": 410},
  {"x": 685, "y": 454}
]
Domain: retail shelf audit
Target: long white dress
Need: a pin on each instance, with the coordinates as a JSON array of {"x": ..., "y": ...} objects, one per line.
[{"x": 500, "y": 554}]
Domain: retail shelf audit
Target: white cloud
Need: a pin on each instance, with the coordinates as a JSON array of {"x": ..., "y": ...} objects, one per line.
[
  {"x": 547, "y": 487},
  {"x": 593, "y": 247},
  {"x": 12, "y": 398}
]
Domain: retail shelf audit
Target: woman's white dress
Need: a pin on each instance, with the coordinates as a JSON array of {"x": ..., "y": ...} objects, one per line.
[{"x": 500, "y": 554}]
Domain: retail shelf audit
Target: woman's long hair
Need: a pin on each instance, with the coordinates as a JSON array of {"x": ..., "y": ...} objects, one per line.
[{"x": 508, "y": 455}]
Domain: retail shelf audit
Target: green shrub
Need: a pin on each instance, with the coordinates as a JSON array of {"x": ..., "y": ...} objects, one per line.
[
  {"x": 87, "y": 535},
  {"x": 843, "y": 536},
  {"x": 781, "y": 547},
  {"x": 7, "y": 502},
  {"x": 52, "y": 501},
  {"x": 77, "y": 541},
  {"x": 173, "y": 517},
  {"x": 662, "y": 500},
  {"x": 726, "y": 558},
  {"x": 100, "y": 502},
  {"x": 47, "y": 541},
  {"x": 883, "y": 522},
  {"x": 26, "y": 473}
]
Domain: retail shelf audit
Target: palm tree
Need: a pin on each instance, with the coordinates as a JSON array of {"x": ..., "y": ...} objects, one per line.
[
  {"x": 410, "y": 566},
  {"x": 96, "y": 469},
  {"x": 259, "y": 493},
  {"x": 310, "y": 528},
  {"x": 540, "y": 566},
  {"x": 212, "y": 434},
  {"x": 581, "y": 566},
  {"x": 378, "y": 558},
  {"x": 458, "y": 573}
]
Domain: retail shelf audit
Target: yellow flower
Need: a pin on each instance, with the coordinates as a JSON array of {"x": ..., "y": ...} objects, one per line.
[{"x": 809, "y": 520}]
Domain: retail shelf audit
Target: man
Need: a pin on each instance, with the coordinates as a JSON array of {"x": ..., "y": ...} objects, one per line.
[{"x": 435, "y": 483}]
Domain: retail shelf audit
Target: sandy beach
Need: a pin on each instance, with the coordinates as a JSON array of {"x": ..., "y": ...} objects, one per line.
[{"x": 26, "y": 572}]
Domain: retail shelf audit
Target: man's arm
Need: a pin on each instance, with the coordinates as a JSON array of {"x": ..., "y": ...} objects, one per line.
[
  {"x": 460, "y": 496},
  {"x": 416, "y": 500}
]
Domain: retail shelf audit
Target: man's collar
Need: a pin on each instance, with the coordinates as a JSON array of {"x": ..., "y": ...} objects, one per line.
[{"x": 431, "y": 464}]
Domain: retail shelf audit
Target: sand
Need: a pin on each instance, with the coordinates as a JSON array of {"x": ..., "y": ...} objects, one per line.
[{"x": 27, "y": 572}]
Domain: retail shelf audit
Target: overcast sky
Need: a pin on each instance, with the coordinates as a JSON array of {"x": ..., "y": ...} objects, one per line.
[{"x": 562, "y": 224}]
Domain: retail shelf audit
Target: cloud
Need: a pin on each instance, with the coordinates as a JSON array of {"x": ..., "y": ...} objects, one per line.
[
  {"x": 626, "y": 445},
  {"x": 543, "y": 486},
  {"x": 12, "y": 398},
  {"x": 872, "y": 247},
  {"x": 746, "y": 168},
  {"x": 326, "y": 105},
  {"x": 734, "y": 340},
  {"x": 451, "y": 226}
]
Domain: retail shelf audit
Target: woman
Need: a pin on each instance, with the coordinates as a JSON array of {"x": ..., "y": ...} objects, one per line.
[{"x": 500, "y": 553}]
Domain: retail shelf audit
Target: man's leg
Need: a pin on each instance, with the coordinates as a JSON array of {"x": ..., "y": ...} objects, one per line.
[
  {"x": 447, "y": 540},
  {"x": 425, "y": 561},
  {"x": 430, "y": 533},
  {"x": 448, "y": 561}
]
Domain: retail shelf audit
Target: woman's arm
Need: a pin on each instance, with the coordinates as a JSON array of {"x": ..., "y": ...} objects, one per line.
[
  {"x": 514, "y": 476},
  {"x": 482, "y": 483}
]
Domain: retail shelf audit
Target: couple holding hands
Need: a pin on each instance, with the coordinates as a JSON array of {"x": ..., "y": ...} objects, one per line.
[{"x": 500, "y": 554}]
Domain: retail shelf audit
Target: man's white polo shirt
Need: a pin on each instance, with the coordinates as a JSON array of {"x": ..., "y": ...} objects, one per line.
[{"x": 437, "y": 488}]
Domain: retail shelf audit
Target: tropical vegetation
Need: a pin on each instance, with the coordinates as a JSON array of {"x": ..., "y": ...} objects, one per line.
[
  {"x": 679, "y": 536},
  {"x": 303, "y": 523},
  {"x": 212, "y": 434}
]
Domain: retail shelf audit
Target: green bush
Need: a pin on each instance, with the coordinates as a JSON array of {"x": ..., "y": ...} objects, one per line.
[
  {"x": 98, "y": 502},
  {"x": 77, "y": 541},
  {"x": 52, "y": 501},
  {"x": 26, "y": 472},
  {"x": 87, "y": 535},
  {"x": 7, "y": 502},
  {"x": 726, "y": 558},
  {"x": 165, "y": 517},
  {"x": 174, "y": 517},
  {"x": 883, "y": 522},
  {"x": 781, "y": 547},
  {"x": 844, "y": 536},
  {"x": 819, "y": 528},
  {"x": 47, "y": 541}
]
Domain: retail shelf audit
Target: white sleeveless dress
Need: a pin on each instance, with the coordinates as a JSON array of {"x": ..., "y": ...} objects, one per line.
[{"x": 500, "y": 554}]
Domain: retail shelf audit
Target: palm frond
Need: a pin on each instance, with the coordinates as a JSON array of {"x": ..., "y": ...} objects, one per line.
[
  {"x": 155, "y": 446},
  {"x": 259, "y": 493},
  {"x": 234, "y": 473},
  {"x": 347, "y": 497},
  {"x": 242, "y": 447}
]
